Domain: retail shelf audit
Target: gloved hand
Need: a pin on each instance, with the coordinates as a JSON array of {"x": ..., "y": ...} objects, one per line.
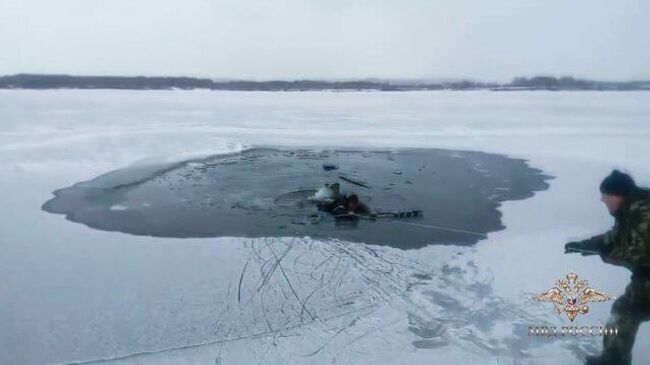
[
  {"x": 571, "y": 246},
  {"x": 581, "y": 248}
]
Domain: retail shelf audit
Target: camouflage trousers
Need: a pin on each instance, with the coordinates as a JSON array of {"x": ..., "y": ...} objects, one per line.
[{"x": 628, "y": 312}]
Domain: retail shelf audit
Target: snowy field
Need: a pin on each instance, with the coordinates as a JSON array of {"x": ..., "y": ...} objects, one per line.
[{"x": 71, "y": 294}]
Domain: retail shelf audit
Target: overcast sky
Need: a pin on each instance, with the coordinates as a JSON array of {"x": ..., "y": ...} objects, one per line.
[{"x": 266, "y": 39}]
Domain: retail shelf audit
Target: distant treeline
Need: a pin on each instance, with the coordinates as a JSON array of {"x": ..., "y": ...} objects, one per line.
[
  {"x": 35, "y": 81},
  {"x": 570, "y": 83}
]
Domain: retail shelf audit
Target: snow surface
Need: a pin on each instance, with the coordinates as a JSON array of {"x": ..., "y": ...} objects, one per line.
[{"x": 69, "y": 293}]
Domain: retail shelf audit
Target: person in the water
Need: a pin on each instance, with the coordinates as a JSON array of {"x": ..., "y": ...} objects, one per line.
[
  {"x": 352, "y": 206},
  {"x": 329, "y": 197},
  {"x": 331, "y": 200}
]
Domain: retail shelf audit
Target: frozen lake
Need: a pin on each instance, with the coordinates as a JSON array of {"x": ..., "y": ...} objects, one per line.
[{"x": 70, "y": 293}]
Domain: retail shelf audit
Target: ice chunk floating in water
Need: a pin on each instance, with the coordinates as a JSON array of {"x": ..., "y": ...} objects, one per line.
[{"x": 265, "y": 193}]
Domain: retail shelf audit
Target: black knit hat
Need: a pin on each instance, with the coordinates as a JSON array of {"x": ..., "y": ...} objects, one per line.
[{"x": 618, "y": 183}]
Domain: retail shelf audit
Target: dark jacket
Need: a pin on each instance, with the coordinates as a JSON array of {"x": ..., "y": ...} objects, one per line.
[{"x": 362, "y": 208}]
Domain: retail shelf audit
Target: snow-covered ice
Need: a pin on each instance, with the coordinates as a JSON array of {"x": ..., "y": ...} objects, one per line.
[{"x": 73, "y": 294}]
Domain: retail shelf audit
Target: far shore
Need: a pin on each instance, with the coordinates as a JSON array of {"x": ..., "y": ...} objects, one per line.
[{"x": 567, "y": 83}]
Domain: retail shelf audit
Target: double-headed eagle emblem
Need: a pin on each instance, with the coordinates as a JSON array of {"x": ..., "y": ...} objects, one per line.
[{"x": 571, "y": 296}]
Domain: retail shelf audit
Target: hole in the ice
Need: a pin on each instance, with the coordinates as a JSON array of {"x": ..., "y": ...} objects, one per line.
[{"x": 266, "y": 193}]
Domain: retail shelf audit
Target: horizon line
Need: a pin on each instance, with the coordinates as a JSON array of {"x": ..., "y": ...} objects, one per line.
[{"x": 427, "y": 79}]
